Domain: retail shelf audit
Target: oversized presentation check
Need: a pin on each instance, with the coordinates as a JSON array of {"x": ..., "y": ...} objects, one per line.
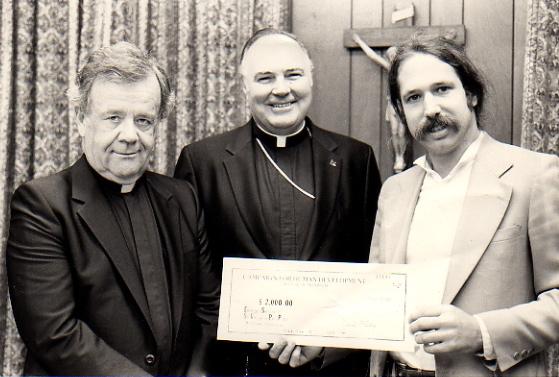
[{"x": 329, "y": 304}]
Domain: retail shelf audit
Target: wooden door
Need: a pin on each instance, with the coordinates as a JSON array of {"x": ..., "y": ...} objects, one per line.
[{"x": 350, "y": 91}]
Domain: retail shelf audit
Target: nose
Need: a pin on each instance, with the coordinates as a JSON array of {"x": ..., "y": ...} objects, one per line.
[
  {"x": 431, "y": 105},
  {"x": 281, "y": 87},
  {"x": 128, "y": 132}
]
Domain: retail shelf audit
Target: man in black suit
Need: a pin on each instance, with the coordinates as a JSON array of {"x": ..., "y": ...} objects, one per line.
[
  {"x": 108, "y": 266},
  {"x": 281, "y": 187}
]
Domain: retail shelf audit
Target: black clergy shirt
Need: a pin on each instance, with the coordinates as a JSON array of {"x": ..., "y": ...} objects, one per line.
[
  {"x": 138, "y": 225},
  {"x": 287, "y": 211}
]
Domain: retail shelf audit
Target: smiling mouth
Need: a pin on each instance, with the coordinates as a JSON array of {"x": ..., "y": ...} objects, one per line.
[
  {"x": 126, "y": 154},
  {"x": 280, "y": 106}
]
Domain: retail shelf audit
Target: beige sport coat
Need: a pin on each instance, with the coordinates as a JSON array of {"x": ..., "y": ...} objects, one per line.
[{"x": 505, "y": 259}]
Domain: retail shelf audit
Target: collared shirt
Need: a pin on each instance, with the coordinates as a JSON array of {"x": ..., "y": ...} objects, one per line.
[
  {"x": 434, "y": 225},
  {"x": 287, "y": 211}
]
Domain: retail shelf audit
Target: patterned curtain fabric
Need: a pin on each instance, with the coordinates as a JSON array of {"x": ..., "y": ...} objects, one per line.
[
  {"x": 42, "y": 44},
  {"x": 540, "y": 114}
]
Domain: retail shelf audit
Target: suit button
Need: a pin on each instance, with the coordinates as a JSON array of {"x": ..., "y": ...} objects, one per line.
[
  {"x": 149, "y": 359},
  {"x": 516, "y": 356},
  {"x": 524, "y": 354}
]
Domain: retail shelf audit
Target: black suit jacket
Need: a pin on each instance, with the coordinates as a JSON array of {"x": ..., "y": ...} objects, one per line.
[
  {"x": 347, "y": 184},
  {"x": 77, "y": 296}
]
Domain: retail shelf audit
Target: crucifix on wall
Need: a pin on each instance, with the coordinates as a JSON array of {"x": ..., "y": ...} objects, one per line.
[{"x": 369, "y": 39}]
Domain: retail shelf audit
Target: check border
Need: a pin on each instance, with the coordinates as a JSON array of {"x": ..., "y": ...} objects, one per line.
[{"x": 227, "y": 330}]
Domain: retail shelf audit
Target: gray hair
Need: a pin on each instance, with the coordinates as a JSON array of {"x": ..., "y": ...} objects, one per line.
[{"x": 121, "y": 62}]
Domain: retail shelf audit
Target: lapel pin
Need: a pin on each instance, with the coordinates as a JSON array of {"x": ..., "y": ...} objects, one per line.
[{"x": 332, "y": 162}]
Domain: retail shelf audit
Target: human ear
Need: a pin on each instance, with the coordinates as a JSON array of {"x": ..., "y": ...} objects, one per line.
[
  {"x": 472, "y": 100},
  {"x": 80, "y": 121}
]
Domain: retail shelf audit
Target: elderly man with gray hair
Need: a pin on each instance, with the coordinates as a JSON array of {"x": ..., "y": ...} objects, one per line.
[{"x": 108, "y": 265}]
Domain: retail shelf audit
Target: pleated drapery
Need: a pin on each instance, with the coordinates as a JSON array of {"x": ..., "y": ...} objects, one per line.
[
  {"x": 540, "y": 107},
  {"x": 44, "y": 42},
  {"x": 540, "y": 112}
]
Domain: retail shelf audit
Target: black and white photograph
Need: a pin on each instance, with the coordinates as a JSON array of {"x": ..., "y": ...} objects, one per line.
[{"x": 314, "y": 188}]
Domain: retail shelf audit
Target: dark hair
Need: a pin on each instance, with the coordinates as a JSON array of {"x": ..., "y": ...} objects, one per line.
[
  {"x": 446, "y": 51},
  {"x": 123, "y": 62},
  {"x": 271, "y": 31}
]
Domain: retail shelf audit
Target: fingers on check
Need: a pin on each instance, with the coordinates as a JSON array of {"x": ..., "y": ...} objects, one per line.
[
  {"x": 432, "y": 337},
  {"x": 437, "y": 348},
  {"x": 425, "y": 337},
  {"x": 446, "y": 345},
  {"x": 285, "y": 355},
  {"x": 425, "y": 324},
  {"x": 263, "y": 346},
  {"x": 277, "y": 348},
  {"x": 295, "y": 360},
  {"x": 426, "y": 311}
]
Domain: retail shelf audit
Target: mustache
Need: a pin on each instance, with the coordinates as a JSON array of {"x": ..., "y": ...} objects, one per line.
[{"x": 430, "y": 123}]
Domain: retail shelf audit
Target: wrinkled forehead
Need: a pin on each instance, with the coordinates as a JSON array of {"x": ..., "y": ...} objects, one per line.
[
  {"x": 116, "y": 93},
  {"x": 275, "y": 52}
]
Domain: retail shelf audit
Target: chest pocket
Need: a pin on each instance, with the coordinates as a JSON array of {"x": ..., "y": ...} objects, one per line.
[{"x": 503, "y": 234}]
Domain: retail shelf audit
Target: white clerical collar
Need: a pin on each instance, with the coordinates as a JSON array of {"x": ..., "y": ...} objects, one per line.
[
  {"x": 468, "y": 156},
  {"x": 126, "y": 188},
  {"x": 113, "y": 186},
  {"x": 281, "y": 140}
]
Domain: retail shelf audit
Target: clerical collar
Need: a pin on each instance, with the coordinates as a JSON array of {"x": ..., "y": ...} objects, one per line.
[
  {"x": 281, "y": 141},
  {"x": 110, "y": 186}
]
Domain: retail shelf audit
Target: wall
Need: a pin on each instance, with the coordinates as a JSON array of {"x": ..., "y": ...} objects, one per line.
[{"x": 349, "y": 92}]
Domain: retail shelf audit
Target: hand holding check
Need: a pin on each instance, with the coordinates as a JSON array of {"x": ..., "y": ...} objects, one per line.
[
  {"x": 446, "y": 328},
  {"x": 288, "y": 352}
]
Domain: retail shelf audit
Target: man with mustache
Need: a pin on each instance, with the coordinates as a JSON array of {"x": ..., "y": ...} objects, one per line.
[
  {"x": 281, "y": 187},
  {"x": 108, "y": 265},
  {"x": 489, "y": 210}
]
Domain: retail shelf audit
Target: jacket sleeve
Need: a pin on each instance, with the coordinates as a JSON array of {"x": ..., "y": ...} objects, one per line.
[
  {"x": 44, "y": 295},
  {"x": 523, "y": 330},
  {"x": 207, "y": 305},
  {"x": 375, "y": 252},
  {"x": 209, "y": 283},
  {"x": 185, "y": 168},
  {"x": 372, "y": 190},
  {"x": 207, "y": 293}
]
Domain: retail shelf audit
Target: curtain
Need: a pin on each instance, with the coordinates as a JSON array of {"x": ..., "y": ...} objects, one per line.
[
  {"x": 540, "y": 113},
  {"x": 44, "y": 42},
  {"x": 540, "y": 110}
]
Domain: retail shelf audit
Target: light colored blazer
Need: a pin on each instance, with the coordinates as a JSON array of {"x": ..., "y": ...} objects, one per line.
[{"x": 505, "y": 259}]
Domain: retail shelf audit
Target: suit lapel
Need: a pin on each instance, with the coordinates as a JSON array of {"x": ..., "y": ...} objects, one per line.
[
  {"x": 242, "y": 178},
  {"x": 98, "y": 216},
  {"x": 404, "y": 202},
  {"x": 327, "y": 167},
  {"x": 167, "y": 215},
  {"x": 486, "y": 201}
]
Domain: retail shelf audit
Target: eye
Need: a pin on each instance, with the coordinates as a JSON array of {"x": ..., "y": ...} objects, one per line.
[
  {"x": 442, "y": 89},
  {"x": 412, "y": 98},
  {"x": 114, "y": 119},
  {"x": 294, "y": 75},
  {"x": 264, "y": 79},
  {"x": 144, "y": 123}
]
